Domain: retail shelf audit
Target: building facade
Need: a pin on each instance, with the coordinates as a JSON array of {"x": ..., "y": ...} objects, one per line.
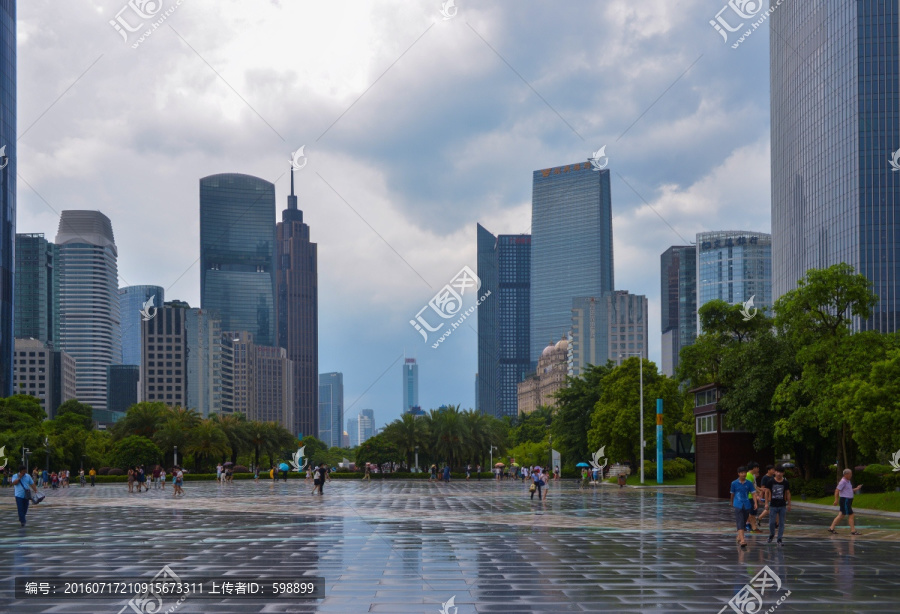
[
  {"x": 273, "y": 372},
  {"x": 366, "y": 425},
  {"x": 37, "y": 289},
  {"x": 537, "y": 390},
  {"x": 590, "y": 334},
  {"x": 331, "y": 408},
  {"x": 123, "y": 389},
  {"x": 237, "y": 241},
  {"x": 90, "y": 326},
  {"x": 504, "y": 321},
  {"x": 297, "y": 311},
  {"x": 678, "y": 303},
  {"x": 410, "y": 384},
  {"x": 353, "y": 431},
  {"x": 835, "y": 197},
  {"x": 734, "y": 266},
  {"x": 203, "y": 332},
  {"x": 44, "y": 373},
  {"x": 8, "y": 165},
  {"x": 164, "y": 356},
  {"x": 571, "y": 246},
  {"x": 132, "y": 300},
  {"x": 628, "y": 325}
]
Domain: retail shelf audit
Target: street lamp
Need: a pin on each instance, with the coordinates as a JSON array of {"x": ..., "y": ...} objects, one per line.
[
  {"x": 47, "y": 446},
  {"x": 641, "y": 411},
  {"x": 493, "y": 447},
  {"x": 26, "y": 453},
  {"x": 550, "y": 466},
  {"x": 176, "y": 456},
  {"x": 417, "y": 459}
]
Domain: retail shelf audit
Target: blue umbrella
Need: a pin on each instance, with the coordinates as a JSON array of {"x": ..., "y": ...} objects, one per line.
[
  {"x": 582, "y": 465},
  {"x": 284, "y": 466}
]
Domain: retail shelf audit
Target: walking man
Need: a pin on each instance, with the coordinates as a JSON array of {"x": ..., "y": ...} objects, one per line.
[
  {"x": 743, "y": 499},
  {"x": 765, "y": 482},
  {"x": 752, "y": 475},
  {"x": 24, "y": 485},
  {"x": 93, "y": 474},
  {"x": 778, "y": 502},
  {"x": 178, "y": 481},
  {"x": 478, "y": 471},
  {"x": 843, "y": 495}
]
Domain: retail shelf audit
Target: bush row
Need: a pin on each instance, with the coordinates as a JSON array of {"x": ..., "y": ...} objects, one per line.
[{"x": 672, "y": 469}]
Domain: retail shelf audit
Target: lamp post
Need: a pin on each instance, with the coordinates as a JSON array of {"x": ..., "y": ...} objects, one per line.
[
  {"x": 493, "y": 447},
  {"x": 26, "y": 453},
  {"x": 550, "y": 466},
  {"x": 47, "y": 446},
  {"x": 417, "y": 459},
  {"x": 641, "y": 411},
  {"x": 176, "y": 456}
]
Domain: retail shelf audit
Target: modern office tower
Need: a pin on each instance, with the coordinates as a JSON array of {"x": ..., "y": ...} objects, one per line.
[
  {"x": 37, "y": 289},
  {"x": 678, "y": 303},
  {"x": 537, "y": 389},
  {"x": 366, "y": 424},
  {"x": 628, "y": 325},
  {"x": 237, "y": 372},
  {"x": 237, "y": 239},
  {"x": 590, "y": 333},
  {"x": 571, "y": 246},
  {"x": 345, "y": 440},
  {"x": 410, "y": 384},
  {"x": 734, "y": 266},
  {"x": 504, "y": 268},
  {"x": 132, "y": 301},
  {"x": 353, "y": 430},
  {"x": 274, "y": 385},
  {"x": 331, "y": 408},
  {"x": 297, "y": 311},
  {"x": 204, "y": 361},
  {"x": 44, "y": 373},
  {"x": 123, "y": 389},
  {"x": 90, "y": 328},
  {"x": 835, "y": 197},
  {"x": 164, "y": 356},
  {"x": 8, "y": 164}
]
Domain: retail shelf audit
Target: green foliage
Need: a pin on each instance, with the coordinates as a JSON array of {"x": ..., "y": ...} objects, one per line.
[
  {"x": 532, "y": 428},
  {"x": 672, "y": 469},
  {"x": 529, "y": 453},
  {"x": 135, "y": 450},
  {"x": 572, "y": 418},
  {"x": 378, "y": 450}
]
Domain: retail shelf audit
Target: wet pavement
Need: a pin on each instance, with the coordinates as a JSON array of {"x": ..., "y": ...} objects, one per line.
[{"x": 413, "y": 546}]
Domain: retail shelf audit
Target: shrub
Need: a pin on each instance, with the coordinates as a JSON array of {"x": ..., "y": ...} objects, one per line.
[
  {"x": 240, "y": 469},
  {"x": 103, "y": 471},
  {"x": 871, "y": 482},
  {"x": 115, "y": 471},
  {"x": 878, "y": 469},
  {"x": 672, "y": 469}
]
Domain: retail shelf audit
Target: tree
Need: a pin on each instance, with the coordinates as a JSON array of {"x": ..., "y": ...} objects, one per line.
[
  {"x": 408, "y": 433},
  {"x": 574, "y": 407},
  {"x": 142, "y": 419},
  {"x": 135, "y": 450},
  {"x": 532, "y": 427},
  {"x": 234, "y": 427},
  {"x": 531, "y": 453},
  {"x": 378, "y": 450},
  {"x": 75, "y": 414},
  {"x": 872, "y": 405},
  {"x": 207, "y": 440}
]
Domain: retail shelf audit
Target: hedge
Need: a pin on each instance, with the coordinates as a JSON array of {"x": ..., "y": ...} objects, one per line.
[{"x": 672, "y": 469}]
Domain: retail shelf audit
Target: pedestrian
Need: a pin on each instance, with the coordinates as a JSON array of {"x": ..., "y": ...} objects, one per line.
[
  {"x": 178, "y": 481},
  {"x": 556, "y": 474},
  {"x": 367, "y": 476},
  {"x": 155, "y": 476},
  {"x": 468, "y": 472},
  {"x": 219, "y": 473},
  {"x": 308, "y": 472},
  {"x": 753, "y": 476},
  {"x": 81, "y": 480},
  {"x": 284, "y": 471},
  {"x": 45, "y": 478},
  {"x": 130, "y": 480},
  {"x": 447, "y": 473},
  {"x": 478, "y": 471},
  {"x": 22, "y": 483},
  {"x": 317, "y": 479},
  {"x": 162, "y": 477},
  {"x": 743, "y": 499},
  {"x": 537, "y": 480},
  {"x": 843, "y": 495},
  {"x": 272, "y": 473},
  {"x": 778, "y": 503},
  {"x": 256, "y": 474},
  {"x": 93, "y": 474},
  {"x": 584, "y": 478},
  {"x": 764, "y": 483},
  {"x": 433, "y": 477},
  {"x": 229, "y": 474}
]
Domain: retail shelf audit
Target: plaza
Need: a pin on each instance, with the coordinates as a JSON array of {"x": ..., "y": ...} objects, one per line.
[{"x": 412, "y": 546}]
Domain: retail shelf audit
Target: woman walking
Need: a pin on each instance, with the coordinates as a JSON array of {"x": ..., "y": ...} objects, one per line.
[
  {"x": 162, "y": 477},
  {"x": 539, "y": 483},
  {"x": 130, "y": 480}
]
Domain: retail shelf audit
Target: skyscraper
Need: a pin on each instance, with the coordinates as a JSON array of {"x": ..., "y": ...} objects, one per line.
[
  {"x": 504, "y": 268},
  {"x": 256, "y": 380},
  {"x": 203, "y": 332},
  {"x": 89, "y": 327},
  {"x": 353, "y": 430},
  {"x": 734, "y": 266},
  {"x": 678, "y": 302},
  {"x": 835, "y": 111},
  {"x": 44, "y": 373},
  {"x": 297, "y": 311},
  {"x": 410, "y": 384},
  {"x": 123, "y": 389},
  {"x": 571, "y": 246},
  {"x": 8, "y": 136},
  {"x": 164, "y": 360},
  {"x": 131, "y": 302},
  {"x": 37, "y": 289},
  {"x": 331, "y": 408},
  {"x": 237, "y": 239},
  {"x": 628, "y": 325},
  {"x": 366, "y": 424}
]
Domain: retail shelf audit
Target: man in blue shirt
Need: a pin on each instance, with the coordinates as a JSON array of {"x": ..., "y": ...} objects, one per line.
[
  {"x": 22, "y": 482},
  {"x": 743, "y": 499}
]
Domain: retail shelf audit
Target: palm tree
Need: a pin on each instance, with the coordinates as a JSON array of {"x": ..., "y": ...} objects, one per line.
[
  {"x": 207, "y": 441},
  {"x": 259, "y": 436},
  {"x": 408, "y": 433},
  {"x": 141, "y": 419},
  {"x": 235, "y": 428},
  {"x": 448, "y": 433}
]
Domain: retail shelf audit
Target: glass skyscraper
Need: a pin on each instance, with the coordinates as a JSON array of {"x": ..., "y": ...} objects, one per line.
[
  {"x": 504, "y": 268},
  {"x": 678, "y": 303},
  {"x": 89, "y": 328},
  {"x": 410, "y": 384},
  {"x": 734, "y": 265},
  {"x": 571, "y": 246},
  {"x": 835, "y": 106},
  {"x": 131, "y": 302},
  {"x": 8, "y": 135},
  {"x": 237, "y": 239},
  {"x": 366, "y": 424},
  {"x": 37, "y": 289},
  {"x": 331, "y": 408}
]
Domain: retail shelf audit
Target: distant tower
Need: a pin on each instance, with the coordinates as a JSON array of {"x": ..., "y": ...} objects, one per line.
[
  {"x": 8, "y": 137},
  {"x": 410, "y": 384},
  {"x": 131, "y": 303}
]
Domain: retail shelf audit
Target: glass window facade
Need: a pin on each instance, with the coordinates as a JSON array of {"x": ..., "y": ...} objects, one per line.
[
  {"x": 8, "y": 135},
  {"x": 571, "y": 246},
  {"x": 410, "y": 384},
  {"x": 331, "y": 408},
  {"x": 678, "y": 298},
  {"x": 36, "y": 289},
  {"x": 131, "y": 302},
  {"x": 237, "y": 239}
]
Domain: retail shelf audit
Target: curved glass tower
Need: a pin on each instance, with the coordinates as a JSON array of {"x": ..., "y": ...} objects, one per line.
[
  {"x": 7, "y": 190},
  {"x": 89, "y": 327},
  {"x": 131, "y": 302},
  {"x": 237, "y": 239}
]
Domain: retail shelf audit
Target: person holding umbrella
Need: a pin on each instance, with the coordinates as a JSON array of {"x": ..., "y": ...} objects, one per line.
[
  {"x": 229, "y": 472},
  {"x": 585, "y": 475},
  {"x": 498, "y": 469},
  {"x": 284, "y": 467}
]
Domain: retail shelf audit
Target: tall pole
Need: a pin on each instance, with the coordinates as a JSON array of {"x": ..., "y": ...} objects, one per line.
[
  {"x": 641, "y": 358},
  {"x": 659, "y": 441},
  {"x": 550, "y": 466},
  {"x": 47, "y": 445},
  {"x": 176, "y": 456}
]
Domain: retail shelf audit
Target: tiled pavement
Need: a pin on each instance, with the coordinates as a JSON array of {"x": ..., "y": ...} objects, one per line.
[{"x": 411, "y": 546}]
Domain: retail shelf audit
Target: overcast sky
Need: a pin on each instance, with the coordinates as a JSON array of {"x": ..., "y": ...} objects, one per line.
[{"x": 415, "y": 128}]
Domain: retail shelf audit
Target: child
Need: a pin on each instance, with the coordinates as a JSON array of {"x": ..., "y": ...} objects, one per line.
[
  {"x": 778, "y": 502},
  {"x": 743, "y": 499}
]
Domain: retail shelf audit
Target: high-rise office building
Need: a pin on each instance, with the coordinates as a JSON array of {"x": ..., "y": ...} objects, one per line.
[
  {"x": 590, "y": 334},
  {"x": 44, "y": 373},
  {"x": 131, "y": 307},
  {"x": 504, "y": 323},
  {"x": 203, "y": 333},
  {"x": 8, "y": 164},
  {"x": 835, "y": 112},
  {"x": 628, "y": 325},
  {"x": 410, "y": 384},
  {"x": 365, "y": 425},
  {"x": 678, "y": 303},
  {"x": 123, "y": 389},
  {"x": 571, "y": 246},
  {"x": 237, "y": 239},
  {"x": 164, "y": 356},
  {"x": 37, "y": 289},
  {"x": 257, "y": 380},
  {"x": 734, "y": 266},
  {"x": 331, "y": 408},
  {"x": 297, "y": 311},
  {"x": 353, "y": 430},
  {"x": 89, "y": 328}
]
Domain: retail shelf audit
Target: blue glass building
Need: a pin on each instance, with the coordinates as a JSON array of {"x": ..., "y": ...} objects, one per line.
[
  {"x": 678, "y": 303},
  {"x": 331, "y": 408},
  {"x": 504, "y": 322},
  {"x": 237, "y": 240},
  {"x": 36, "y": 289},
  {"x": 835, "y": 109},
  {"x": 571, "y": 246},
  {"x": 131, "y": 302},
  {"x": 8, "y": 135},
  {"x": 410, "y": 384}
]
